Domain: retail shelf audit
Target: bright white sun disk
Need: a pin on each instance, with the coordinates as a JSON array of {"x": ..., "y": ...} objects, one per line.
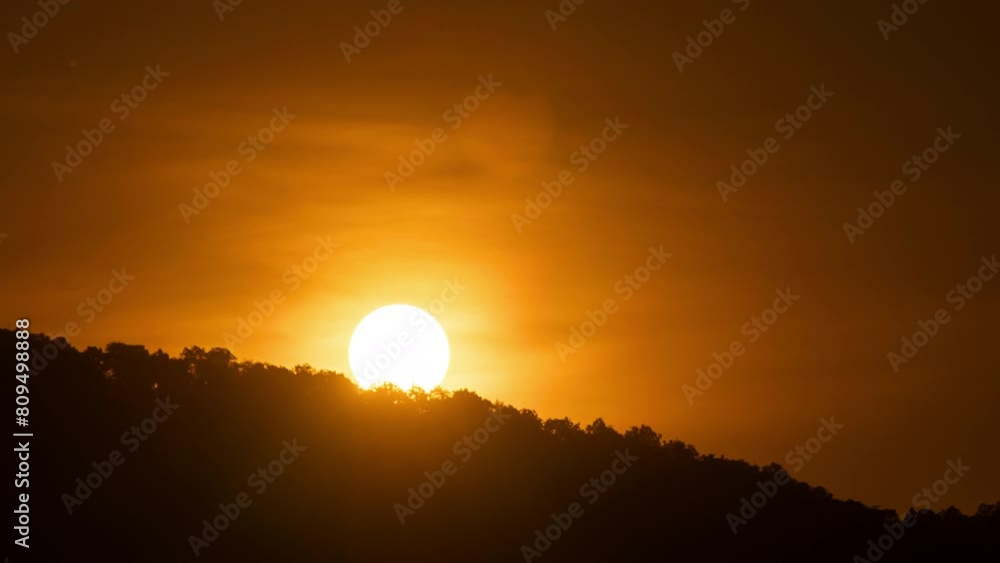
[{"x": 399, "y": 344}]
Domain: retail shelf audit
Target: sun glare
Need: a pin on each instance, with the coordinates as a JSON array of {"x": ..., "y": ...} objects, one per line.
[{"x": 399, "y": 344}]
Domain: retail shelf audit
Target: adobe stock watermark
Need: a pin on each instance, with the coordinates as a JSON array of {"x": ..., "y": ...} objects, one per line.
[
  {"x": 957, "y": 298},
  {"x": 132, "y": 439},
  {"x": 592, "y": 490},
  {"x": 292, "y": 278},
  {"x": 788, "y": 126},
  {"x": 566, "y": 8},
  {"x": 30, "y": 26},
  {"x": 914, "y": 168},
  {"x": 248, "y": 149},
  {"x": 225, "y": 7},
  {"x": 696, "y": 44},
  {"x": 363, "y": 35},
  {"x": 436, "y": 479},
  {"x": 456, "y": 116},
  {"x": 895, "y": 531},
  {"x": 258, "y": 481},
  {"x": 758, "y": 500},
  {"x": 752, "y": 329},
  {"x": 626, "y": 286},
  {"x": 396, "y": 343},
  {"x": 798, "y": 456},
  {"x": 582, "y": 158},
  {"x": 928, "y": 496},
  {"x": 88, "y": 309},
  {"x": 899, "y": 16},
  {"x": 122, "y": 107},
  {"x": 769, "y": 489}
]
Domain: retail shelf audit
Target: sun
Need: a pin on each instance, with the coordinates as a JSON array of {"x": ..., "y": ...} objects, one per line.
[{"x": 399, "y": 344}]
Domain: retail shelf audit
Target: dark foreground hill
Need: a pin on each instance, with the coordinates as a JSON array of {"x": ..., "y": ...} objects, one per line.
[{"x": 140, "y": 457}]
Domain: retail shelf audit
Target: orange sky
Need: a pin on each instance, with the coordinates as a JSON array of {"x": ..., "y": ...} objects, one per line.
[{"x": 323, "y": 175}]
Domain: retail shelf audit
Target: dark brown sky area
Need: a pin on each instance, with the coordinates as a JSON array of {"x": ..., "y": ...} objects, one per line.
[{"x": 528, "y": 278}]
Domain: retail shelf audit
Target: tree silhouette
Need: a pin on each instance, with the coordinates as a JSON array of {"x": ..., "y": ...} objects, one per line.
[{"x": 366, "y": 450}]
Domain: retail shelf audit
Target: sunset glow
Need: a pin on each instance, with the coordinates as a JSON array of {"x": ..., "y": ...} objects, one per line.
[{"x": 399, "y": 344}]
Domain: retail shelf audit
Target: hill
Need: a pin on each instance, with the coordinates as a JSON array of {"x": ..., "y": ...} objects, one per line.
[{"x": 139, "y": 456}]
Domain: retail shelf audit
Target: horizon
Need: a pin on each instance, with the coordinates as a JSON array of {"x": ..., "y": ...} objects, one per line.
[{"x": 799, "y": 454}]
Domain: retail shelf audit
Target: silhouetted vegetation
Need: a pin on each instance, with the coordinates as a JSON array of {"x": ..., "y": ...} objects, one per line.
[{"x": 365, "y": 450}]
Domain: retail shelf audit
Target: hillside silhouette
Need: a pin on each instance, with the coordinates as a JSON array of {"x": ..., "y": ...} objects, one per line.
[{"x": 352, "y": 464}]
